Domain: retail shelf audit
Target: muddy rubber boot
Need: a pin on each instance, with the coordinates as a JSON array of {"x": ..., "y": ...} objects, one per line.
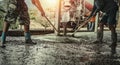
[
  {"x": 114, "y": 43},
  {"x": 28, "y": 38},
  {"x": 2, "y": 40},
  {"x": 99, "y": 37}
]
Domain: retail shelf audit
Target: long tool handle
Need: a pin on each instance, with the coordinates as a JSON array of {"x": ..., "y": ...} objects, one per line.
[
  {"x": 51, "y": 24},
  {"x": 83, "y": 24}
]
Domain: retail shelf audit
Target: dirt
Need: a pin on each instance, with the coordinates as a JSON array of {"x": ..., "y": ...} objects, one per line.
[{"x": 60, "y": 50}]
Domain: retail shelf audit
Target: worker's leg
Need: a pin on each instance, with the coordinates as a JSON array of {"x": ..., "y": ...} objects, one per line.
[
  {"x": 27, "y": 35},
  {"x": 100, "y": 33},
  {"x": 3, "y": 36},
  {"x": 24, "y": 19},
  {"x": 112, "y": 26},
  {"x": 64, "y": 28},
  {"x": 113, "y": 38},
  {"x": 10, "y": 17}
]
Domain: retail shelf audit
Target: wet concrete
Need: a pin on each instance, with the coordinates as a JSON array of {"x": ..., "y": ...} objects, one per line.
[{"x": 59, "y": 50}]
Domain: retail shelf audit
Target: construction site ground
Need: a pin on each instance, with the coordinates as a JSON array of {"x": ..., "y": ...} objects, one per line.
[{"x": 60, "y": 50}]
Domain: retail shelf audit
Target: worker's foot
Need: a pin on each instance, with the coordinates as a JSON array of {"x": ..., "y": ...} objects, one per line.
[
  {"x": 113, "y": 49},
  {"x": 29, "y": 41},
  {"x": 2, "y": 45}
]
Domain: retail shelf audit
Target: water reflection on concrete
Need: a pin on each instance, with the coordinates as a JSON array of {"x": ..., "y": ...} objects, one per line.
[{"x": 55, "y": 50}]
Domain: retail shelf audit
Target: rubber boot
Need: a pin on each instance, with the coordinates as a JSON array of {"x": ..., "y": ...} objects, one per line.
[
  {"x": 114, "y": 43},
  {"x": 28, "y": 38},
  {"x": 2, "y": 40},
  {"x": 99, "y": 37}
]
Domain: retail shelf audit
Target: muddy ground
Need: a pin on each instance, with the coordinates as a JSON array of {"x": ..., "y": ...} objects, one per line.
[{"x": 60, "y": 50}]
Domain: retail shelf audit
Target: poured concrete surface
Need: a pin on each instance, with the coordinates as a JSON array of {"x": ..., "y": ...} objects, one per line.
[{"x": 60, "y": 50}]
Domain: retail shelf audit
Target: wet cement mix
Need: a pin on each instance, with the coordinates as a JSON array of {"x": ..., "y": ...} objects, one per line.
[{"x": 59, "y": 50}]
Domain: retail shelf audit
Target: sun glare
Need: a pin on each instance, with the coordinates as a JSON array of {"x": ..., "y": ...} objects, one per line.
[{"x": 51, "y": 2}]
